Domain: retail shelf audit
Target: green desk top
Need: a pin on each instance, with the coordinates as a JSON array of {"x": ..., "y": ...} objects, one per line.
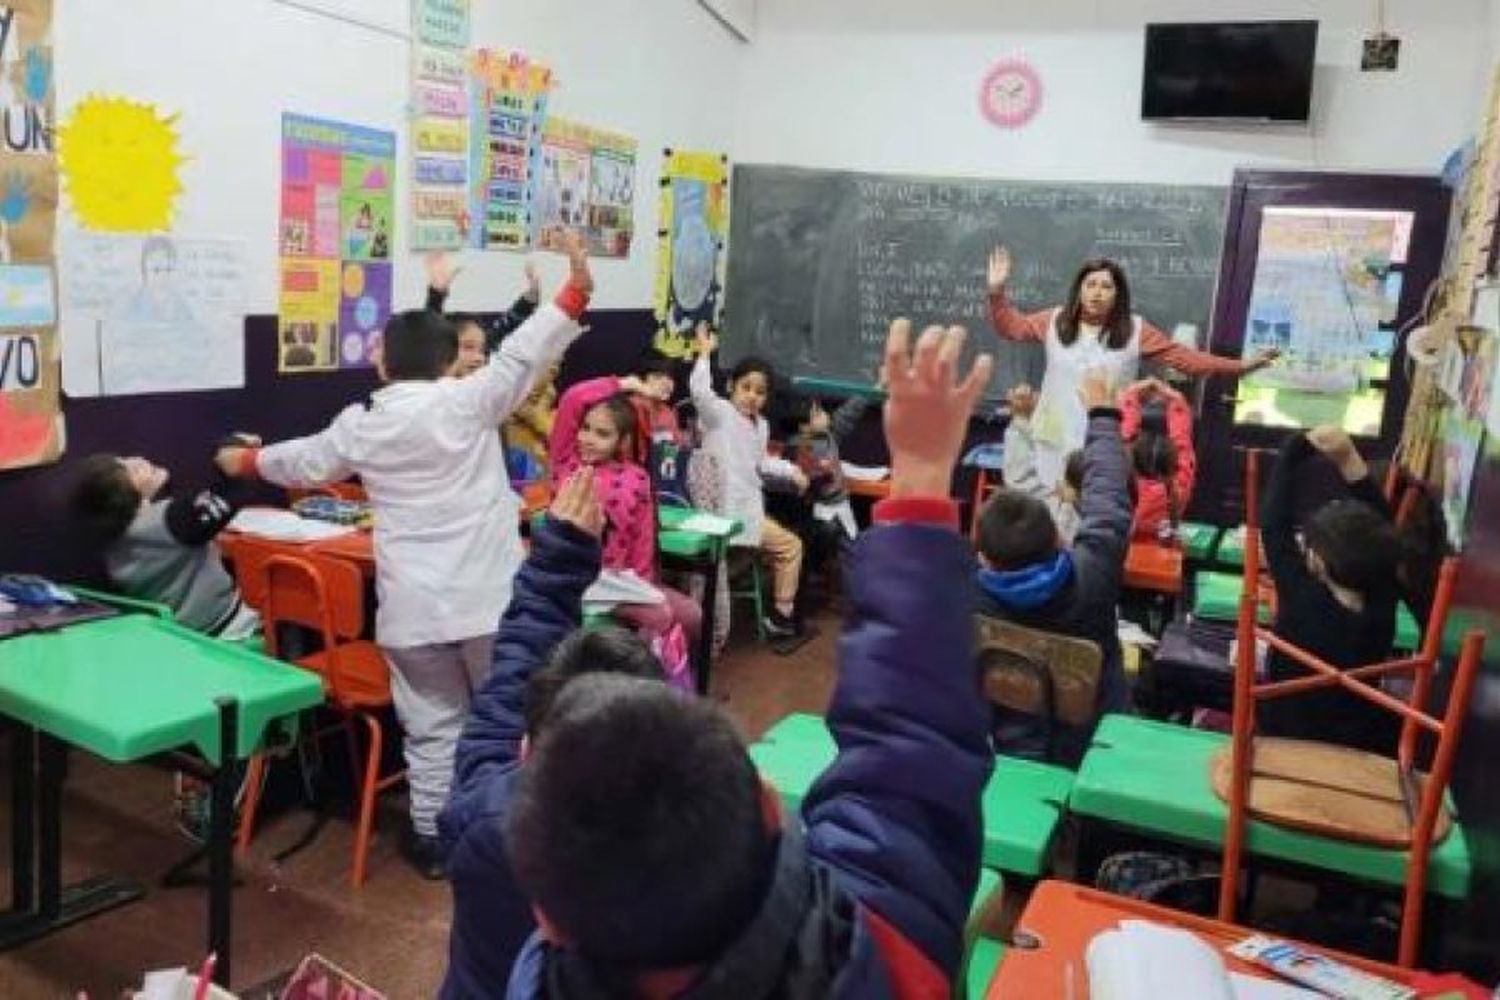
[
  {"x": 129, "y": 687},
  {"x": 1153, "y": 777},
  {"x": 1022, "y": 803},
  {"x": 673, "y": 540},
  {"x": 1216, "y": 597},
  {"x": 1198, "y": 540}
]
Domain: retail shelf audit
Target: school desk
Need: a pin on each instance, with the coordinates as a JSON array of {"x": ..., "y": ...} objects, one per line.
[
  {"x": 1061, "y": 919},
  {"x": 1022, "y": 803},
  {"x": 129, "y": 688},
  {"x": 705, "y": 551},
  {"x": 1151, "y": 778}
]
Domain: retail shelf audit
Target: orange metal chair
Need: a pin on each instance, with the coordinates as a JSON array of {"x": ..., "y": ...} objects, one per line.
[
  {"x": 326, "y": 596},
  {"x": 1413, "y": 712}
]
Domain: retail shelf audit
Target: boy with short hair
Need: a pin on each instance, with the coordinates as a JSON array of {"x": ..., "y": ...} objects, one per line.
[
  {"x": 1032, "y": 578},
  {"x": 657, "y": 863},
  {"x": 447, "y": 538}
]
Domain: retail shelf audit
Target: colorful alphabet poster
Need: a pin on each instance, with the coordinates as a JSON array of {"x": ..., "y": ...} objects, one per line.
[
  {"x": 690, "y": 256},
  {"x": 440, "y": 127},
  {"x": 337, "y": 230},
  {"x": 31, "y": 424},
  {"x": 510, "y": 94},
  {"x": 151, "y": 314},
  {"x": 586, "y": 181}
]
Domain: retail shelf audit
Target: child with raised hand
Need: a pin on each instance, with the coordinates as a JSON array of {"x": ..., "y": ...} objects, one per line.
[
  {"x": 447, "y": 533},
  {"x": 478, "y": 338},
  {"x": 1018, "y": 462},
  {"x": 1336, "y": 593},
  {"x": 1157, "y": 426},
  {"x": 657, "y": 863},
  {"x": 737, "y": 434},
  {"x": 596, "y": 428}
]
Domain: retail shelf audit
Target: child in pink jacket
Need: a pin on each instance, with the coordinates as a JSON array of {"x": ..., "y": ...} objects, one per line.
[
  {"x": 596, "y": 426},
  {"x": 1157, "y": 426}
]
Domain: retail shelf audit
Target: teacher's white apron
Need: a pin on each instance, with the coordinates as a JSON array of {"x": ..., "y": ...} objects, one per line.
[{"x": 1061, "y": 422}]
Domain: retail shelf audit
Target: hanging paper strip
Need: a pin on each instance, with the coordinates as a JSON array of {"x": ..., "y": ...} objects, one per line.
[
  {"x": 691, "y": 242},
  {"x": 440, "y": 127}
]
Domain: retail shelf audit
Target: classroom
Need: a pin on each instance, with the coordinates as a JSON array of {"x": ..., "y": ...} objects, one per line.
[{"x": 749, "y": 498}]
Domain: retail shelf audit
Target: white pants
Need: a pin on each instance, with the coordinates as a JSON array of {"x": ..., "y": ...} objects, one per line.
[{"x": 432, "y": 686}]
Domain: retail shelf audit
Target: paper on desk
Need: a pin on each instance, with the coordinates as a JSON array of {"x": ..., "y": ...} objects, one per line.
[
  {"x": 866, "y": 473},
  {"x": 1253, "y": 988},
  {"x": 285, "y": 526},
  {"x": 1143, "y": 960},
  {"x": 707, "y": 524}
]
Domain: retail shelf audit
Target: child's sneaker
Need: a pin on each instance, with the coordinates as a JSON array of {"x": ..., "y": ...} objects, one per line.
[{"x": 779, "y": 626}]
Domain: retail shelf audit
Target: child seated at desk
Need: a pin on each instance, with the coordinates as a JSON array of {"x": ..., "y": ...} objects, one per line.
[
  {"x": 596, "y": 429},
  {"x": 1031, "y": 578},
  {"x": 447, "y": 539},
  {"x": 1157, "y": 425},
  {"x": 1336, "y": 594},
  {"x": 815, "y": 450},
  {"x": 735, "y": 431},
  {"x": 160, "y": 547},
  {"x": 659, "y": 865}
]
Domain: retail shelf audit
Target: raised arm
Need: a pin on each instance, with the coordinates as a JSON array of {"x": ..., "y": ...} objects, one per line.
[
  {"x": 1278, "y": 534},
  {"x": 325, "y": 457},
  {"x": 1010, "y": 322},
  {"x": 1162, "y": 349},
  {"x": 562, "y": 445},
  {"x": 713, "y": 409},
  {"x": 1104, "y": 510},
  {"x": 896, "y": 816},
  {"x": 846, "y": 417},
  {"x": 546, "y": 605}
]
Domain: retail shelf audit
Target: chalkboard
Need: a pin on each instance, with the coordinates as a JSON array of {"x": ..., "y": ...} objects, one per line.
[{"x": 821, "y": 261}]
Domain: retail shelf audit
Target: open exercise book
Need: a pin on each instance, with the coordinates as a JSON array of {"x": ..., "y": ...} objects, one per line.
[{"x": 1147, "y": 961}]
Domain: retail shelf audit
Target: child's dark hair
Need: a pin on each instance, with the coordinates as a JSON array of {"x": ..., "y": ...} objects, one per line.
[
  {"x": 103, "y": 501},
  {"x": 1357, "y": 544},
  {"x": 1154, "y": 456},
  {"x": 1016, "y": 530},
  {"x": 622, "y": 415},
  {"x": 750, "y": 366},
  {"x": 637, "y": 826},
  {"x": 654, "y": 363},
  {"x": 608, "y": 650},
  {"x": 1073, "y": 470},
  {"x": 419, "y": 344}
]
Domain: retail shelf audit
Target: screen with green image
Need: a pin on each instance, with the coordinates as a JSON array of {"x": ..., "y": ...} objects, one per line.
[{"x": 1327, "y": 285}]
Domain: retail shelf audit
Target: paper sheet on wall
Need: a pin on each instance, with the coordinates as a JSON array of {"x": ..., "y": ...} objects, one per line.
[
  {"x": 151, "y": 314},
  {"x": 586, "y": 182},
  {"x": 690, "y": 253},
  {"x": 337, "y": 230},
  {"x": 510, "y": 97},
  {"x": 440, "y": 127},
  {"x": 31, "y": 423}
]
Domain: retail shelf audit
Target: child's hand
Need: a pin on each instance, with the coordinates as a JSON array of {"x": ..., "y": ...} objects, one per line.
[
  {"x": 927, "y": 415},
  {"x": 705, "y": 341},
  {"x": 577, "y": 249},
  {"x": 1022, "y": 400},
  {"x": 441, "y": 270},
  {"x": 1339, "y": 448},
  {"x": 800, "y": 480},
  {"x": 632, "y": 384},
  {"x": 1095, "y": 391},
  {"x": 577, "y": 503},
  {"x": 230, "y": 459},
  {"x": 999, "y": 270},
  {"x": 533, "y": 292}
]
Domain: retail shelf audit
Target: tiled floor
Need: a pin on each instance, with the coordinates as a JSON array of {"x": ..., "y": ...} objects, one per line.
[{"x": 393, "y": 932}]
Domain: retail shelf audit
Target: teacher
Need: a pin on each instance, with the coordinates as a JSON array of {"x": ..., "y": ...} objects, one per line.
[{"x": 1094, "y": 331}]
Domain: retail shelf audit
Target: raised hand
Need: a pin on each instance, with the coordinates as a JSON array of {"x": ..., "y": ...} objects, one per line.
[
  {"x": 1095, "y": 391},
  {"x": 999, "y": 269},
  {"x": 1336, "y": 444},
  {"x": 632, "y": 384},
  {"x": 533, "y": 291},
  {"x": 1263, "y": 359},
  {"x": 577, "y": 249},
  {"x": 705, "y": 341},
  {"x": 927, "y": 413},
  {"x": 577, "y": 503},
  {"x": 441, "y": 270},
  {"x": 1022, "y": 400}
]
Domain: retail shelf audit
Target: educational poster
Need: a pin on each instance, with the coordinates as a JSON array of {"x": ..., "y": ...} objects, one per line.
[
  {"x": 690, "y": 256},
  {"x": 151, "y": 314},
  {"x": 586, "y": 182},
  {"x": 31, "y": 423},
  {"x": 337, "y": 233},
  {"x": 1460, "y": 452},
  {"x": 440, "y": 128},
  {"x": 510, "y": 93},
  {"x": 1327, "y": 285},
  {"x": 107, "y": 138}
]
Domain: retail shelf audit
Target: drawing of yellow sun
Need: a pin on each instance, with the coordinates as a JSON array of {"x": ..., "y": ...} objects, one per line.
[{"x": 119, "y": 164}]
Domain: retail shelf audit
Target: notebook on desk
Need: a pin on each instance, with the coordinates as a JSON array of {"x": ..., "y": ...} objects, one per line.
[{"x": 25, "y": 620}]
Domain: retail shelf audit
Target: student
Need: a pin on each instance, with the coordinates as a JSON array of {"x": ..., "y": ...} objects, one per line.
[
  {"x": 440, "y": 274},
  {"x": 659, "y": 865},
  {"x": 539, "y": 648},
  {"x": 160, "y": 547},
  {"x": 1336, "y": 593},
  {"x": 654, "y": 383},
  {"x": 1031, "y": 578},
  {"x": 1018, "y": 447},
  {"x": 447, "y": 539},
  {"x": 1157, "y": 425},
  {"x": 735, "y": 431},
  {"x": 1095, "y": 331},
  {"x": 596, "y": 428},
  {"x": 529, "y": 429},
  {"x": 815, "y": 450},
  {"x": 1069, "y": 495}
]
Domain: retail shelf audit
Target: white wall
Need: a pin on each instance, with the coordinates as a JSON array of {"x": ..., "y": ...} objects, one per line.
[
  {"x": 661, "y": 70},
  {"x": 892, "y": 85}
]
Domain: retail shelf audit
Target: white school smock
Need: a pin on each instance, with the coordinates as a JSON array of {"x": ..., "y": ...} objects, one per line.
[
  {"x": 447, "y": 532},
  {"x": 1060, "y": 422},
  {"x": 740, "y": 443}
]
